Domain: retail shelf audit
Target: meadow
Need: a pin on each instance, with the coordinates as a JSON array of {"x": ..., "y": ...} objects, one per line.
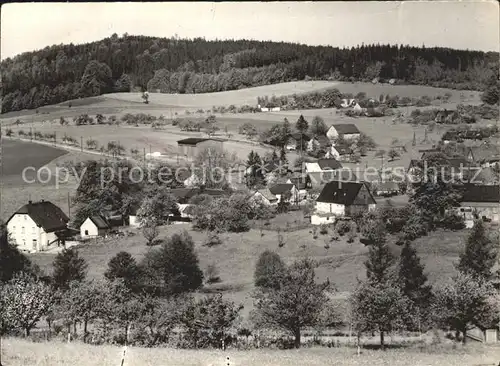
[
  {"x": 339, "y": 261},
  {"x": 17, "y": 352}
]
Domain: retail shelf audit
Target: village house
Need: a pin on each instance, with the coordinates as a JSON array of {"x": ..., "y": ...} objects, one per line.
[
  {"x": 302, "y": 183},
  {"x": 480, "y": 201},
  {"x": 318, "y": 180},
  {"x": 94, "y": 226},
  {"x": 342, "y": 199},
  {"x": 348, "y": 131},
  {"x": 265, "y": 196},
  {"x": 37, "y": 225},
  {"x": 446, "y": 116},
  {"x": 387, "y": 189},
  {"x": 285, "y": 189},
  {"x": 192, "y": 146},
  {"x": 341, "y": 152},
  {"x": 318, "y": 142},
  {"x": 321, "y": 165}
]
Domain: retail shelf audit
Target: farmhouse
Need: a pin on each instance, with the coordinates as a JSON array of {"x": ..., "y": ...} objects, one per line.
[
  {"x": 93, "y": 226},
  {"x": 322, "y": 164},
  {"x": 341, "y": 152},
  {"x": 348, "y": 131},
  {"x": 190, "y": 147},
  {"x": 318, "y": 142},
  {"x": 446, "y": 116},
  {"x": 282, "y": 189},
  {"x": 340, "y": 199},
  {"x": 386, "y": 189},
  {"x": 37, "y": 225},
  {"x": 266, "y": 196},
  {"x": 319, "y": 179},
  {"x": 302, "y": 183},
  {"x": 482, "y": 201}
]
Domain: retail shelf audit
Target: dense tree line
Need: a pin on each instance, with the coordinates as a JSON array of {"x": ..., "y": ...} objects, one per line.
[{"x": 62, "y": 72}]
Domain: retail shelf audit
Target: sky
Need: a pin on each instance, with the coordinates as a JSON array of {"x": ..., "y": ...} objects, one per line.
[{"x": 456, "y": 24}]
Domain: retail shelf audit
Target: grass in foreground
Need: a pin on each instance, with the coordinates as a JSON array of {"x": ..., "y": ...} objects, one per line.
[{"x": 17, "y": 352}]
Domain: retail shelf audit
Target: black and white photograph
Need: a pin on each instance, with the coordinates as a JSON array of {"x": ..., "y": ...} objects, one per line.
[{"x": 250, "y": 183}]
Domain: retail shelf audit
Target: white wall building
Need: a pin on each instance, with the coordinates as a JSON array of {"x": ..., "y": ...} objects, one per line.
[{"x": 34, "y": 227}]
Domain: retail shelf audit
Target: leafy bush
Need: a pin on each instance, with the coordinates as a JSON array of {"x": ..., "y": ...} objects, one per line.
[
  {"x": 342, "y": 227},
  {"x": 451, "y": 222},
  {"x": 323, "y": 229}
]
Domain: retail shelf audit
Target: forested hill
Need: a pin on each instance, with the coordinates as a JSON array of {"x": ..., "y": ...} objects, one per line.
[{"x": 171, "y": 65}]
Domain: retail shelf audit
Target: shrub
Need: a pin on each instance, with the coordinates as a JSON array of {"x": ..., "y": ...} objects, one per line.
[
  {"x": 9, "y": 132},
  {"x": 212, "y": 239},
  {"x": 323, "y": 229},
  {"x": 452, "y": 222},
  {"x": 342, "y": 227},
  {"x": 268, "y": 269},
  {"x": 212, "y": 274}
]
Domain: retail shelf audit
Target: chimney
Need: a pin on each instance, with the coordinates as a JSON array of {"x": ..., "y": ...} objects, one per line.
[{"x": 30, "y": 202}]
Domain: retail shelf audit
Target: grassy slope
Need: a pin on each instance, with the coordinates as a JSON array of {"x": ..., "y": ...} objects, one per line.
[
  {"x": 17, "y": 352},
  {"x": 342, "y": 263}
]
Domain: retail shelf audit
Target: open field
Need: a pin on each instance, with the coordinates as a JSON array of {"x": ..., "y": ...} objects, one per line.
[
  {"x": 342, "y": 263},
  {"x": 17, "y": 352},
  {"x": 170, "y": 104}
]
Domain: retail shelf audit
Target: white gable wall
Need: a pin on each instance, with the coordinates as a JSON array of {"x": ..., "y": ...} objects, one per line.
[
  {"x": 330, "y": 208},
  {"x": 88, "y": 229},
  {"x": 27, "y": 235}
]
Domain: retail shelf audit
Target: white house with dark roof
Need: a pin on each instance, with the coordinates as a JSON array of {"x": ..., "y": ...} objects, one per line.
[
  {"x": 37, "y": 225},
  {"x": 93, "y": 226},
  {"x": 348, "y": 131},
  {"x": 482, "y": 201},
  {"x": 281, "y": 189},
  {"x": 340, "y": 199},
  {"x": 265, "y": 196}
]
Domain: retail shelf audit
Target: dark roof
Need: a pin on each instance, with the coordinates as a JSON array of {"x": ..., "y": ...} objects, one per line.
[
  {"x": 194, "y": 141},
  {"x": 326, "y": 164},
  {"x": 184, "y": 194},
  {"x": 346, "y": 128},
  {"x": 343, "y": 149},
  {"x": 345, "y": 193},
  {"x": 100, "y": 221},
  {"x": 323, "y": 140},
  {"x": 458, "y": 163},
  {"x": 45, "y": 214},
  {"x": 326, "y": 176},
  {"x": 299, "y": 182},
  {"x": 266, "y": 193},
  {"x": 480, "y": 193},
  {"x": 297, "y": 136},
  {"x": 388, "y": 186},
  {"x": 281, "y": 188}
]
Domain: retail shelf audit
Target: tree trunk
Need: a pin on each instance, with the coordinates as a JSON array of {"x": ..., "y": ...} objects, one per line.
[
  {"x": 382, "y": 344},
  {"x": 85, "y": 322},
  {"x": 464, "y": 332},
  {"x": 74, "y": 327},
  {"x": 27, "y": 332},
  {"x": 297, "y": 338}
]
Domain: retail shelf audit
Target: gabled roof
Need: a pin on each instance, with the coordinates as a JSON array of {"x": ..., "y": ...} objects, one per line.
[
  {"x": 326, "y": 164},
  {"x": 45, "y": 215},
  {"x": 331, "y": 175},
  {"x": 323, "y": 140},
  {"x": 184, "y": 194},
  {"x": 481, "y": 193},
  {"x": 281, "y": 188},
  {"x": 345, "y": 128},
  {"x": 195, "y": 140},
  {"x": 297, "y": 136},
  {"x": 99, "y": 221},
  {"x": 266, "y": 193},
  {"x": 388, "y": 186},
  {"x": 485, "y": 152},
  {"x": 299, "y": 182},
  {"x": 343, "y": 149},
  {"x": 344, "y": 193}
]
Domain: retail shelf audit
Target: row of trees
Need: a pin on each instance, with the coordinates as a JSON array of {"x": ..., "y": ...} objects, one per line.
[{"x": 62, "y": 72}]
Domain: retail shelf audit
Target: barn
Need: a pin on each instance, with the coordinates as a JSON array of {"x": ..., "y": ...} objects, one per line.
[{"x": 190, "y": 147}]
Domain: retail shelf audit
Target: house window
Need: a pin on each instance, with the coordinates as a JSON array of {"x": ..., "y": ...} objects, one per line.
[
  {"x": 22, "y": 230},
  {"x": 24, "y": 242},
  {"x": 86, "y": 232},
  {"x": 34, "y": 244},
  {"x": 13, "y": 228},
  {"x": 33, "y": 230}
]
